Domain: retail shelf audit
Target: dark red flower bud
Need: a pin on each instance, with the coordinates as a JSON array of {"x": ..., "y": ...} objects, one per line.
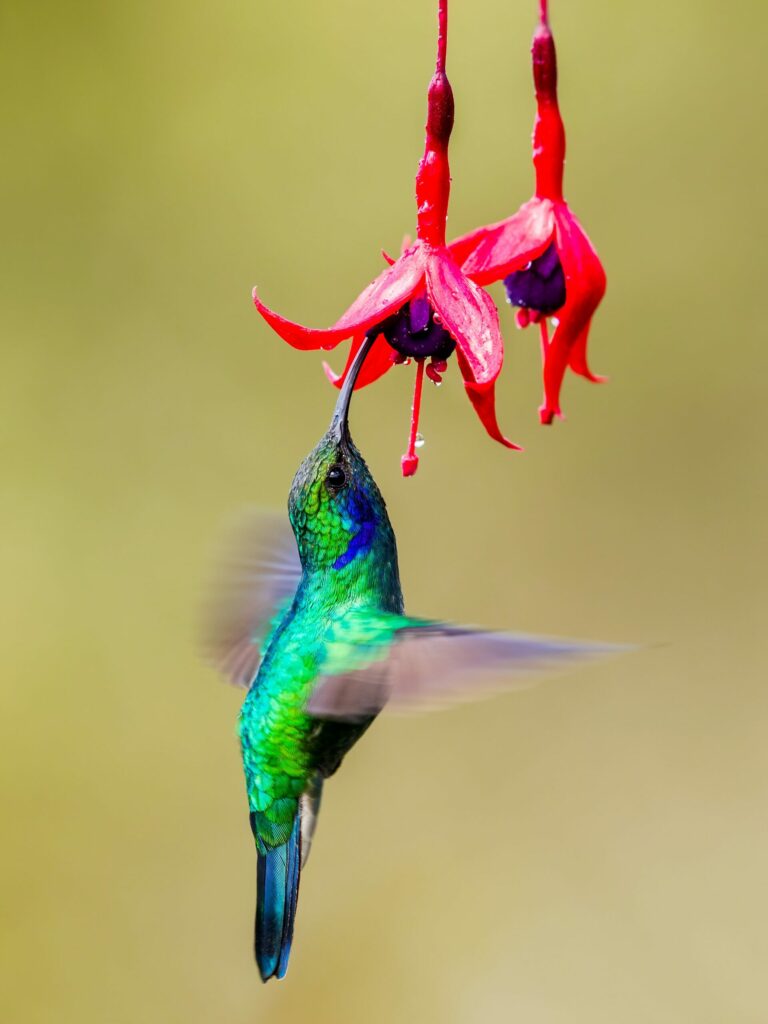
[
  {"x": 544, "y": 65},
  {"x": 440, "y": 110}
]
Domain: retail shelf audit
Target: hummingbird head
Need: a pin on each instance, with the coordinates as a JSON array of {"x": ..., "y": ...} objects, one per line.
[{"x": 336, "y": 510}]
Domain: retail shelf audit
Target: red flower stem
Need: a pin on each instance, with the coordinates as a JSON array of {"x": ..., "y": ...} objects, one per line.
[
  {"x": 544, "y": 331},
  {"x": 442, "y": 35},
  {"x": 411, "y": 460},
  {"x": 433, "y": 178},
  {"x": 543, "y": 12}
]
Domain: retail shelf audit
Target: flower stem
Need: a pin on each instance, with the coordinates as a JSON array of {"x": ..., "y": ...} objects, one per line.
[
  {"x": 410, "y": 460},
  {"x": 442, "y": 34},
  {"x": 543, "y": 12}
]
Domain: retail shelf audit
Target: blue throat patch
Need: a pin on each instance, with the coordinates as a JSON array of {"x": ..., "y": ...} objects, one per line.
[{"x": 360, "y": 543}]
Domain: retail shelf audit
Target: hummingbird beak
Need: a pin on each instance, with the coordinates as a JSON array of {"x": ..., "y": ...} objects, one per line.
[{"x": 339, "y": 423}]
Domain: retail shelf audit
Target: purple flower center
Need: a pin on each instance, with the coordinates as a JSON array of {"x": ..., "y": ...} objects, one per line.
[
  {"x": 541, "y": 286},
  {"x": 412, "y": 331}
]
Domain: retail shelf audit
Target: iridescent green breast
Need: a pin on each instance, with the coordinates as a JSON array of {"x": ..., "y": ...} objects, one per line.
[{"x": 349, "y": 565}]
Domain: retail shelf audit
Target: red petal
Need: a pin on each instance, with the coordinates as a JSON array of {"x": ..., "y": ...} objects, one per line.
[
  {"x": 386, "y": 294},
  {"x": 584, "y": 288},
  {"x": 555, "y": 364},
  {"x": 468, "y": 314},
  {"x": 511, "y": 244},
  {"x": 300, "y": 337},
  {"x": 584, "y": 274},
  {"x": 376, "y": 364},
  {"x": 461, "y": 247},
  {"x": 405, "y": 245},
  {"x": 484, "y": 401},
  {"x": 578, "y": 357}
]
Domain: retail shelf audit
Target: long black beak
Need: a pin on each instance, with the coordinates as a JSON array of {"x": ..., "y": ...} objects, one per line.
[{"x": 339, "y": 423}]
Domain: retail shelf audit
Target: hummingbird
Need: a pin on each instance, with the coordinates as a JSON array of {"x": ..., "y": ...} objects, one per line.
[{"x": 312, "y": 623}]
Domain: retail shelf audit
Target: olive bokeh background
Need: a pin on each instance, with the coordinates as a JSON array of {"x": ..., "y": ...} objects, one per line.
[{"x": 591, "y": 850}]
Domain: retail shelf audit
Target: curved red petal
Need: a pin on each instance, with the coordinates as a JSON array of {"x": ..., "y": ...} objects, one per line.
[
  {"x": 509, "y": 245},
  {"x": 578, "y": 357},
  {"x": 585, "y": 284},
  {"x": 468, "y": 314},
  {"x": 585, "y": 280},
  {"x": 484, "y": 401},
  {"x": 404, "y": 247},
  {"x": 304, "y": 338},
  {"x": 555, "y": 364},
  {"x": 462, "y": 247},
  {"x": 333, "y": 377},
  {"x": 376, "y": 364},
  {"x": 386, "y": 294}
]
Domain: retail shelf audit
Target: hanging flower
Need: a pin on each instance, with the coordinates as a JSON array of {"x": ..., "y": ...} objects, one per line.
[
  {"x": 542, "y": 253},
  {"x": 422, "y": 307}
]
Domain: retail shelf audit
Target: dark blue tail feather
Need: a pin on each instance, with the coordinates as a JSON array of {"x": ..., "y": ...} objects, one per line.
[{"x": 277, "y": 884}]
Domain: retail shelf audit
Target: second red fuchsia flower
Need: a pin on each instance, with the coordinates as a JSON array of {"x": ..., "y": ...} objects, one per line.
[
  {"x": 542, "y": 253},
  {"x": 423, "y": 306}
]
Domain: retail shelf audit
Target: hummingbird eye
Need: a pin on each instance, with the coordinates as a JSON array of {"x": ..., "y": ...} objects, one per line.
[{"x": 336, "y": 477}]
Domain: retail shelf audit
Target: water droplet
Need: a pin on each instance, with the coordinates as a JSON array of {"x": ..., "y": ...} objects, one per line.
[
  {"x": 419, "y": 442},
  {"x": 555, "y": 321}
]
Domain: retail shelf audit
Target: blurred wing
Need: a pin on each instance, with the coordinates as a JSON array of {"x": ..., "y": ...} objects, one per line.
[
  {"x": 435, "y": 664},
  {"x": 257, "y": 573}
]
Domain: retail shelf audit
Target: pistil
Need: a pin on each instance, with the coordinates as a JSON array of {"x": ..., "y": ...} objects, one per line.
[{"x": 410, "y": 461}]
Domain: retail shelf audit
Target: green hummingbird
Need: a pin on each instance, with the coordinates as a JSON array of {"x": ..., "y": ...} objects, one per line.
[{"x": 315, "y": 628}]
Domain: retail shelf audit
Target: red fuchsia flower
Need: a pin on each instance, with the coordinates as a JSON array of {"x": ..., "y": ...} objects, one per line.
[
  {"x": 422, "y": 306},
  {"x": 542, "y": 253}
]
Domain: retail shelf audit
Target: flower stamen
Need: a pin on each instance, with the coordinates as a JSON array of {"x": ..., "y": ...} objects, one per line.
[{"x": 435, "y": 370}]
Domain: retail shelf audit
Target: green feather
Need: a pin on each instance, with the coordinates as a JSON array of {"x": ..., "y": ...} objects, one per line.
[{"x": 344, "y": 615}]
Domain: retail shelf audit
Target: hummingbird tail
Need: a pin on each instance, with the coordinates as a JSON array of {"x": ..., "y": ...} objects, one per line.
[{"x": 277, "y": 893}]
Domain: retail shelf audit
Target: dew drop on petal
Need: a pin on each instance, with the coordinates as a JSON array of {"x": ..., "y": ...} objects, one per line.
[{"x": 419, "y": 443}]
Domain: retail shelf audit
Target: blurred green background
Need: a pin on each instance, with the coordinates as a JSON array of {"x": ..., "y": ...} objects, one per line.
[{"x": 593, "y": 850}]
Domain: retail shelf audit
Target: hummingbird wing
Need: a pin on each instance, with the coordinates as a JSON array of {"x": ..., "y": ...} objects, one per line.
[
  {"x": 257, "y": 574},
  {"x": 432, "y": 664}
]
